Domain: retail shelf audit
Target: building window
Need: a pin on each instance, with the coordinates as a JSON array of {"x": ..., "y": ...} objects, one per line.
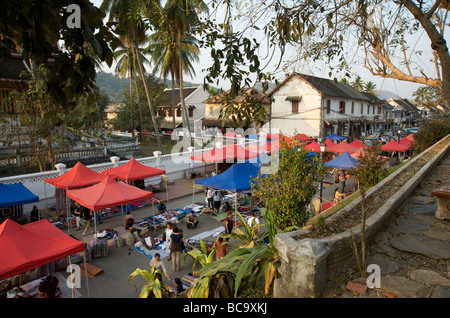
[
  {"x": 328, "y": 106},
  {"x": 373, "y": 110},
  {"x": 353, "y": 107},
  {"x": 7, "y": 104},
  {"x": 191, "y": 111},
  {"x": 379, "y": 110},
  {"x": 211, "y": 110},
  {"x": 178, "y": 112},
  {"x": 295, "y": 106},
  {"x": 368, "y": 109},
  {"x": 362, "y": 108},
  {"x": 341, "y": 107}
]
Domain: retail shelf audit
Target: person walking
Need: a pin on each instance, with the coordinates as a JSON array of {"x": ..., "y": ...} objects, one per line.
[
  {"x": 177, "y": 244},
  {"x": 168, "y": 232},
  {"x": 77, "y": 213},
  {"x": 209, "y": 198},
  {"x": 222, "y": 248},
  {"x": 229, "y": 223},
  {"x": 86, "y": 215},
  {"x": 217, "y": 197}
]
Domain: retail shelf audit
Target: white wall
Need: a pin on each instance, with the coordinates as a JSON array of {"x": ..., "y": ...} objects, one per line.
[{"x": 307, "y": 121}]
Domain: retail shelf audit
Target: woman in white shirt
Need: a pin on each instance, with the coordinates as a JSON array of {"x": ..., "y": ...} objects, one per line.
[
  {"x": 168, "y": 232},
  {"x": 253, "y": 221},
  {"x": 159, "y": 264}
]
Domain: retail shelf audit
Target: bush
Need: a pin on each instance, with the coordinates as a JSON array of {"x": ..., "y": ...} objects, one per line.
[{"x": 431, "y": 132}]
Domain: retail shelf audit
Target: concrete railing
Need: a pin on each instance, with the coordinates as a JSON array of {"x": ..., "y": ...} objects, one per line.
[{"x": 307, "y": 262}]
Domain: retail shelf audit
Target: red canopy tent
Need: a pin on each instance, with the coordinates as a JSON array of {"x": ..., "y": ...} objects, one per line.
[
  {"x": 410, "y": 137},
  {"x": 394, "y": 146},
  {"x": 303, "y": 137},
  {"x": 329, "y": 143},
  {"x": 313, "y": 147},
  {"x": 79, "y": 176},
  {"x": 229, "y": 153},
  {"x": 133, "y": 170},
  {"x": 357, "y": 143},
  {"x": 273, "y": 137},
  {"x": 268, "y": 147},
  {"x": 407, "y": 142},
  {"x": 342, "y": 147},
  {"x": 230, "y": 134},
  {"x": 25, "y": 247},
  {"x": 108, "y": 193}
]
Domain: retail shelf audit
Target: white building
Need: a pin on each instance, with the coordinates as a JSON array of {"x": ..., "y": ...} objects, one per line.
[
  {"x": 194, "y": 98},
  {"x": 318, "y": 107}
]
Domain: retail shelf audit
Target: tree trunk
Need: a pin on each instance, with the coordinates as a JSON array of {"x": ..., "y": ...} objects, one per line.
[
  {"x": 131, "y": 107},
  {"x": 173, "y": 98},
  {"x": 184, "y": 114},
  {"x": 438, "y": 44},
  {"x": 363, "y": 233},
  {"x": 141, "y": 119},
  {"x": 147, "y": 93}
]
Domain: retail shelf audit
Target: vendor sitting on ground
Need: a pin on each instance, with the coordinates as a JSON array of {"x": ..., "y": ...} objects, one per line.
[
  {"x": 49, "y": 288},
  {"x": 161, "y": 207},
  {"x": 225, "y": 207},
  {"x": 191, "y": 221},
  {"x": 129, "y": 221}
]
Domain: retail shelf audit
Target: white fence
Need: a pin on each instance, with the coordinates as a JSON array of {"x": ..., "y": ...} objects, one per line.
[{"x": 175, "y": 164}]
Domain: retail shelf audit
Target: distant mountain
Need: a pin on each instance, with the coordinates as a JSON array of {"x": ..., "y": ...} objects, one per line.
[
  {"x": 387, "y": 95},
  {"x": 113, "y": 86}
]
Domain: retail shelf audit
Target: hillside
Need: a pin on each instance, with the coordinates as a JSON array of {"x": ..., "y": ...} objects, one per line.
[{"x": 113, "y": 86}]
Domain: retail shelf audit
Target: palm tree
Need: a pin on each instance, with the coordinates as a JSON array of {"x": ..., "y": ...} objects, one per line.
[
  {"x": 131, "y": 27},
  {"x": 183, "y": 16},
  {"x": 165, "y": 55},
  {"x": 423, "y": 96},
  {"x": 358, "y": 84},
  {"x": 370, "y": 87}
]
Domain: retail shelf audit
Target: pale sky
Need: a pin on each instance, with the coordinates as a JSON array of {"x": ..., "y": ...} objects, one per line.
[{"x": 402, "y": 88}]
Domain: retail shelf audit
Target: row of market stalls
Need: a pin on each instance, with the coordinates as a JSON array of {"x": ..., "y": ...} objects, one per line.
[{"x": 38, "y": 243}]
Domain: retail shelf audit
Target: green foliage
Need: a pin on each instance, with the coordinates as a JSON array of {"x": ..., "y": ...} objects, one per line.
[
  {"x": 290, "y": 188},
  {"x": 370, "y": 168},
  {"x": 431, "y": 132},
  {"x": 153, "y": 287},
  {"x": 39, "y": 30},
  {"x": 242, "y": 268},
  {"x": 248, "y": 237}
]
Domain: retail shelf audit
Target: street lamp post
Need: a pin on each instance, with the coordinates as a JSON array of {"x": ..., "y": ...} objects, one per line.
[{"x": 323, "y": 148}]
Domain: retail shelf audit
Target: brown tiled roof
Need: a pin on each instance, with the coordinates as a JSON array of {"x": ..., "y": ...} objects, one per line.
[
  {"x": 166, "y": 99},
  {"x": 242, "y": 94}
]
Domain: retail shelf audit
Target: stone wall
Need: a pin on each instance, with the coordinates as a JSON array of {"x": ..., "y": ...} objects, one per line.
[{"x": 306, "y": 263}]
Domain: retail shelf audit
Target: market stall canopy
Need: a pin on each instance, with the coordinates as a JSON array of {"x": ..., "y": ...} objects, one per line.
[
  {"x": 272, "y": 137},
  {"x": 329, "y": 143},
  {"x": 234, "y": 179},
  {"x": 410, "y": 137},
  {"x": 268, "y": 147},
  {"x": 303, "y": 137},
  {"x": 313, "y": 147},
  {"x": 78, "y": 177},
  {"x": 229, "y": 153},
  {"x": 15, "y": 194},
  {"x": 344, "y": 161},
  {"x": 342, "y": 147},
  {"x": 260, "y": 160},
  {"x": 357, "y": 143},
  {"x": 394, "y": 146},
  {"x": 108, "y": 193},
  {"x": 133, "y": 170},
  {"x": 405, "y": 141},
  {"x": 230, "y": 134},
  {"x": 333, "y": 136},
  {"x": 28, "y": 246}
]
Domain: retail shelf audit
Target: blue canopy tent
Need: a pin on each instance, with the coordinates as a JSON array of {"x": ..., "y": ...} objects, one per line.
[
  {"x": 333, "y": 136},
  {"x": 234, "y": 179},
  {"x": 260, "y": 160},
  {"x": 344, "y": 161},
  {"x": 15, "y": 194},
  {"x": 254, "y": 137}
]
